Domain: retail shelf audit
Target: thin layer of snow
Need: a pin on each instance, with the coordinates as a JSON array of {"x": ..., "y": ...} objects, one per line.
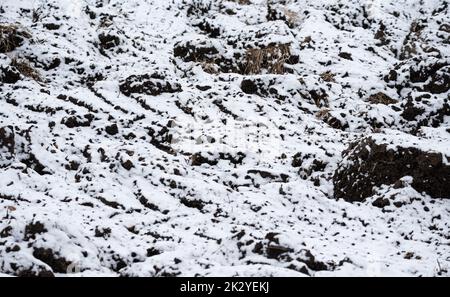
[{"x": 147, "y": 207}]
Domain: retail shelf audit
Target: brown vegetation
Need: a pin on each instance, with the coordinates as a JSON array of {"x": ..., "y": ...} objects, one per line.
[
  {"x": 272, "y": 58},
  {"x": 26, "y": 69}
]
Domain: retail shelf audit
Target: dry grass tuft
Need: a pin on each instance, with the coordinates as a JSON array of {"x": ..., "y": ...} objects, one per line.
[
  {"x": 26, "y": 69},
  {"x": 328, "y": 76},
  {"x": 322, "y": 114},
  {"x": 11, "y": 36},
  {"x": 209, "y": 67},
  {"x": 272, "y": 58},
  {"x": 106, "y": 22},
  {"x": 381, "y": 98},
  {"x": 291, "y": 17}
]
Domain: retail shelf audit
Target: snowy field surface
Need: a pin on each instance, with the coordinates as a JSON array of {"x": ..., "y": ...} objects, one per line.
[{"x": 225, "y": 138}]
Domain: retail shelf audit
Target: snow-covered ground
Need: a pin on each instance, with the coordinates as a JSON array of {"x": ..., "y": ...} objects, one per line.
[{"x": 147, "y": 144}]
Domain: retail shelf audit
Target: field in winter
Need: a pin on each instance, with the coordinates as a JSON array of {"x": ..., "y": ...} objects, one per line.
[{"x": 225, "y": 138}]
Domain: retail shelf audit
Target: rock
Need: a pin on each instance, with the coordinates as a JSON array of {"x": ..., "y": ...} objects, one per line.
[
  {"x": 346, "y": 56},
  {"x": 192, "y": 203},
  {"x": 54, "y": 63},
  {"x": 270, "y": 247},
  {"x": 7, "y": 231},
  {"x": 274, "y": 251},
  {"x": 411, "y": 111},
  {"x": 52, "y": 26},
  {"x": 424, "y": 74},
  {"x": 297, "y": 160},
  {"x": 437, "y": 72},
  {"x": 411, "y": 43},
  {"x": 32, "y": 162},
  {"x": 39, "y": 271},
  {"x": 144, "y": 201},
  {"x": 381, "y": 35},
  {"x": 421, "y": 72},
  {"x": 381, "y": 98},
  {"x": 151, "y": 252},
  {"x": 249, "y": 87},
  {"x": 198, "y": 159},
  {"x": 102, "y": 232},
  {"x": 423, "y": 111},
  {"x": 203, "y": 88},
  {"x": 381, "y": 202},
  {"x": 273, "y": 87},
  {"x": 198, "y": 8},
  {"x": 206, "y": 53},
  {"x": 308, "y": 258},
  {"x": 9, "y": 75},
  {"x": 92, "y": 15},
  {"x": 391, "y": 76},
  {"x": 440, "y": 81},
  {"x": 72, "y": 165},
  {"x": 445, "y": 28},
  {"x": 233, "y": 158},
  {"x": 128, "y": 165},
  {"x": 153, "y": 85},
  {"x": 369, "y": 163},
  {"x": 320, "y": 97},
  {"x": 112, "y": 130},
  {"x": 7, "y": 146},
  {"x": 211, "y": 29},
  {"x": 34, "y": 228},
  {"x": 78, "y": 121},
  {"x": 191, "y": 52},
  {"x": 262, "y": 173},
  {"x": 409, "y": 255}
]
